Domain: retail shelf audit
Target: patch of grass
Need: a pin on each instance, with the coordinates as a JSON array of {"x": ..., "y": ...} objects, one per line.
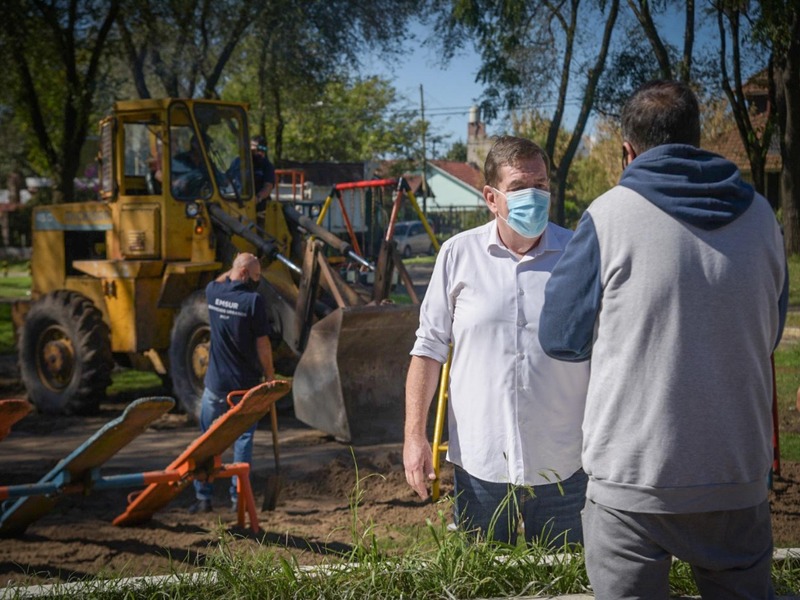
[
  {"x": 400, "y": 298},
  {"x": 15, "y": 282},
  {"x": 429, "y": 260},
  {"x": 790, "y": 446},
  {"x": 787, "y": 381},
  {"x": 794, "y": 280},
  {"x": 447, "y": 564},
  {"x": 131, "y": 381},
  {"x": 7, "y": 343},
  {"x": 786, "y": 576},
  {"x": 14, "y": 267},
  {"x": 787, "y": 373},
  {"x": 15, "y": 286}
]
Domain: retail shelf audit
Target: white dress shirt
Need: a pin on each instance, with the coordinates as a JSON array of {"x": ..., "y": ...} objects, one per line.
[{"x": 514, "y": 414}]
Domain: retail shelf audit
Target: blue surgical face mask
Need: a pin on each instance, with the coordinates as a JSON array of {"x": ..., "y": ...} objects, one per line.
[{"x": 528, "y": 211}]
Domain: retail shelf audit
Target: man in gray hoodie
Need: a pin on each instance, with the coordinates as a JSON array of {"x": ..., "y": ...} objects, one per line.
[{"x": 675, "y": 286}]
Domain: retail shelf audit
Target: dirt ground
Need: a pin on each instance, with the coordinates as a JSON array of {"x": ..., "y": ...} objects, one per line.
[{"x": 313, "y": 517}]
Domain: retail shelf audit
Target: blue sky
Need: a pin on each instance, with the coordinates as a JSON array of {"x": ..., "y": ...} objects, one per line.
[{"x": 448, "y": 92}]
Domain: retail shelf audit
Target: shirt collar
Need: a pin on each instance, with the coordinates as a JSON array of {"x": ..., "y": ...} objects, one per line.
[{"x": 548, "y": 243}]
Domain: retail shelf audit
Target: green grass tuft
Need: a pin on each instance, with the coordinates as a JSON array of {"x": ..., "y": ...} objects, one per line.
[
  {"x": 130, "y": 381},
  {"x": 7, "y": 343},
  {"x": 448, "y": 564},
  {"x": 794, "y": 280}
]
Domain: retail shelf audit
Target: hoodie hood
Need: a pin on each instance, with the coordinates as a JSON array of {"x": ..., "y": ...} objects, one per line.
[{"x": 692, "y": 185}]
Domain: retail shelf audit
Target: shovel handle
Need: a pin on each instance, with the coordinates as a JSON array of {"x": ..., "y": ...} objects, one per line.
[{"x": 273, "y": 419}]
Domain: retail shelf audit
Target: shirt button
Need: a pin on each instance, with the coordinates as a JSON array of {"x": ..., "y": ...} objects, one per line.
[
  {"x": 522, "y": 292},
  {"x": 520, "y": 356},
  {"x": 520, "y": 323}
]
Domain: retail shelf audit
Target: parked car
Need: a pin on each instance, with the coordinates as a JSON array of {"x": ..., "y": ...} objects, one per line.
[{"x": 412, "y": 239}]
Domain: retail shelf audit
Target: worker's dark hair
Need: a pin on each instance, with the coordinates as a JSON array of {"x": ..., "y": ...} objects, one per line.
[
  {"x": 661, "y": 112},
  {"x": 260, "y": 141},
  {"x": 510, "y": 150}
]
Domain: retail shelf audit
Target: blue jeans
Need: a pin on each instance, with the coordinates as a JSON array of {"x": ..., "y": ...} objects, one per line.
[
  {"x": 211, "y": 408},
  {"x": 550, "y": 517}
]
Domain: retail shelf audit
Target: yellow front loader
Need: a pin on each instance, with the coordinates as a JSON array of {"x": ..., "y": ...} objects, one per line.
[{"x": 121, "y": 280}]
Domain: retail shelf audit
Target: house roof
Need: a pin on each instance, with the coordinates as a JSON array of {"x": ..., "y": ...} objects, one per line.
[
  {"x": 729, "y": 144},
  {"x": 465, "y": 172},
  {"x": 327, "y": 173},
  {"x": 758, "y": 84},
  {"x": 415, "y": 183}
]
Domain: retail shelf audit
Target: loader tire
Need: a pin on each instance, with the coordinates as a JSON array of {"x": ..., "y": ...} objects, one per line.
[
  {"x": 65, "y": 358},
  {"x": 188, "y": 352}
]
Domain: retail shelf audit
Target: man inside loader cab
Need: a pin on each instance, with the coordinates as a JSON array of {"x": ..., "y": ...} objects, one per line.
[
  {"x": 189, "y": 174},
  {"x": 263, "y": 171}
]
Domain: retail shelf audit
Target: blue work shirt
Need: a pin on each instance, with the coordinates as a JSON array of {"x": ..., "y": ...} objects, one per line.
[{"x": 238, "y": 317}]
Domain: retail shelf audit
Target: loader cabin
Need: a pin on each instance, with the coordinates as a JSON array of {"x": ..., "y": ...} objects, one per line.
[
  {"x": 150, "y": 241},
  {"x": 168, "y": 157}
]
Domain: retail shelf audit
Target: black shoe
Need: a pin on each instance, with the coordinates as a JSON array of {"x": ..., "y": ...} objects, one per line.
[{"x": 200, "y": 506}]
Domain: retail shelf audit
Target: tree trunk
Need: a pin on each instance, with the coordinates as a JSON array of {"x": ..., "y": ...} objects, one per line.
[
  {"x": 279, "y": 122},
  {"x": 685, "y": 69},
  {"x": 565, "y": 162},
  {"x": 756, "y": 147},
  {"x": 645, "y": 18},
  {"x": 758, "y": 161}
]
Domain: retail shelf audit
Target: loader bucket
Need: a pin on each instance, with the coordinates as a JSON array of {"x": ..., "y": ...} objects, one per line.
[{"x": 350, "y": 380}]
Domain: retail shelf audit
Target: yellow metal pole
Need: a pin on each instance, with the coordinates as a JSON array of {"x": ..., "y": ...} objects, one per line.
[
  {"x": 438, "y": 428},
  {"x": 413, "y": 199},
  {"x": 324, "y": 210}
]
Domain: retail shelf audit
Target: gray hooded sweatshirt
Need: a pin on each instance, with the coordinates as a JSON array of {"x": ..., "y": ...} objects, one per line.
[{"x": 675, "y": 286}]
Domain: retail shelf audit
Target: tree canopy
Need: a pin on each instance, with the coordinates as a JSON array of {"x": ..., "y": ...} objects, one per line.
[
  {"x": 537, "y": 53},
  {"x": 57, "y": 51},
  {"x": 557, "y": 64}
]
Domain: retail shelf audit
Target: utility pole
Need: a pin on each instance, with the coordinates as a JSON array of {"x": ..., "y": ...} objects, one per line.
[{"x": 424, "y": 158}]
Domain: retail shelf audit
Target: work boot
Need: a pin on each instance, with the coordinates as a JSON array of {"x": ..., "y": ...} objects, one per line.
[{"x": 200, "y": 506}]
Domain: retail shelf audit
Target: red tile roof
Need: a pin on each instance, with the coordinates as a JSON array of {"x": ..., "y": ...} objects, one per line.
[
  {"x": 729, "y": 144},
  {"x": 466, "y": 172},
  {"x": 463, "y": 171}
]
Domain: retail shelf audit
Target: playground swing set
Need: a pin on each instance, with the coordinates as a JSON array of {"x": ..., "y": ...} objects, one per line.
[{"x": 363, "y": 198}]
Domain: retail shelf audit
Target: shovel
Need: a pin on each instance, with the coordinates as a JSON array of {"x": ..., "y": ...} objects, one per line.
[{"x": 274, "y": 482}]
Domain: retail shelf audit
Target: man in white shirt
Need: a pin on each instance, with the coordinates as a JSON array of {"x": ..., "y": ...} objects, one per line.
[{"x": 514, "y": 414}]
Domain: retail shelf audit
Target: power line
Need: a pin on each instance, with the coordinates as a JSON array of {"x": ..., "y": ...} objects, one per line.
[{"x": 460, "y": 110}]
